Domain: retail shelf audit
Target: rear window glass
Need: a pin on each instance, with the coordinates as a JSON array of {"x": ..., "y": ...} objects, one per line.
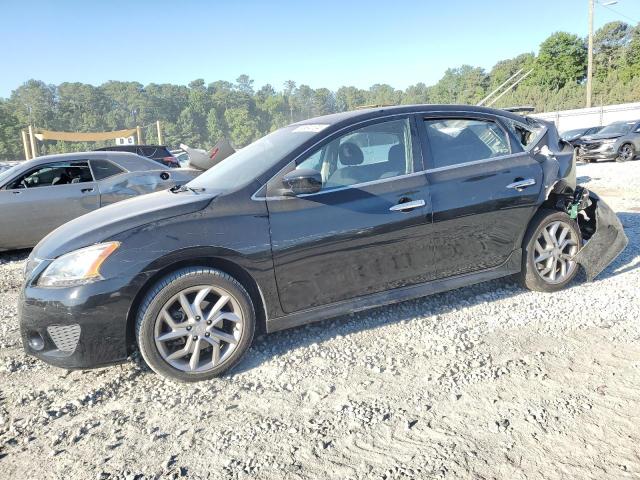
[
  {"x": 528, "y": 132},
  {"x": 104, "y": 169},
  {"x": 456, "y": 141},
  {"x": 154, "y": 152}
]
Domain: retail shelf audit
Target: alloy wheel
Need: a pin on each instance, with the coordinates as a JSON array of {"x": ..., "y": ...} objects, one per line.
[
  {"x": 626, "y": 152},
  {"x": 554, "y": 252},
  {"x": 198, "y": 328}
]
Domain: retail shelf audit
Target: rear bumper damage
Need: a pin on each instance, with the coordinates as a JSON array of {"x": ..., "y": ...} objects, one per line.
[{"x": 604, "y": 235}]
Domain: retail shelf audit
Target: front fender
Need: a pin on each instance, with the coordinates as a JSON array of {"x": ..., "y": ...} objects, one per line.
[{"x": 605, "y": 237}]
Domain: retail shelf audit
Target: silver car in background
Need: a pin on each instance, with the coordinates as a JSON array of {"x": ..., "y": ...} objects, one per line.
[{"x": 39, "y": 195}]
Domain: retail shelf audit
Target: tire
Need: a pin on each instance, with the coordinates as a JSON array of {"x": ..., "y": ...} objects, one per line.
[
  {"x": 178, "y": 316},
  {"x": 534, "y": 275},
  {"x": 626, "y": 153}
]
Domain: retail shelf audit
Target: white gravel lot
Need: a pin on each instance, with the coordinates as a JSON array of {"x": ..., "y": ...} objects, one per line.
[{"x": 485, "y": 382}]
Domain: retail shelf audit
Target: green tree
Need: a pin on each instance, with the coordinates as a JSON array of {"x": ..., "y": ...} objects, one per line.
[{"x": 562, "y": 61}]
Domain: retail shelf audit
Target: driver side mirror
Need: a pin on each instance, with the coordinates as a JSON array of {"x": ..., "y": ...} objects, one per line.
[{"x": 303, "y": 180}]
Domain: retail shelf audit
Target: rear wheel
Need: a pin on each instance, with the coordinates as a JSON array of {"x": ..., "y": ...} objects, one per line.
[
  {"x": 195, "y": 324},
  {"x": 551, "y": 243},
  {"x": 626, "y": 153}
]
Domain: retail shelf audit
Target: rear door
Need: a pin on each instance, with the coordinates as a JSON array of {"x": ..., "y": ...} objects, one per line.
[
  {"x": 484, "y": 187},
  {"x": 366, "y": 231},
  {"x": 44, "y": 198}
]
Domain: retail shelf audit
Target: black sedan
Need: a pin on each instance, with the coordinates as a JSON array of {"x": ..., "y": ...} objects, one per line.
[{"x": 324, "y": 217}]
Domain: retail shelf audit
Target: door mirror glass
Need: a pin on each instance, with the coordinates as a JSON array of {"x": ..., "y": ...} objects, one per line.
[{"x": 303, "y": 180}]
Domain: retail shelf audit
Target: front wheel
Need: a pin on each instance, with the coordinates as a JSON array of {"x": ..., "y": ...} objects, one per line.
[
  {"x": 550, "y": 246},
  {"x": 627, "y": 152},
  {"x": 195, "y": 324}
]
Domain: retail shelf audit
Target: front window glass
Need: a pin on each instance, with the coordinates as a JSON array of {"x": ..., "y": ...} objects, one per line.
[
  {"x": 250, "y": 162},
  {"x": 53, "y": 174},
  {"x": 455, "y": 141},
  {"x": 617, "y": 129},
  {"x": 374, "y": 152}
]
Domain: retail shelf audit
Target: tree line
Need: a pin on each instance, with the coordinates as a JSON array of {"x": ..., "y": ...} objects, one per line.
[{"x": 199, "y": 114}]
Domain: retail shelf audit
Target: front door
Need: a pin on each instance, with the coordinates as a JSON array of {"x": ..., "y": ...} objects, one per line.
[
  {"x": 365, "y": 231},
  {"x": 484, "y": 189},
  {"x": 44, "y": 198}
]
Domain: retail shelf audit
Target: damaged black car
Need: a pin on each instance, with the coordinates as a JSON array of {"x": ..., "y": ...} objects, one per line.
[{"x": 320, "y": 218}]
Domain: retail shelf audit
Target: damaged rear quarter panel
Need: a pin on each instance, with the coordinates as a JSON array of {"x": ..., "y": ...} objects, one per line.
[{"x": 132, "y": 184}]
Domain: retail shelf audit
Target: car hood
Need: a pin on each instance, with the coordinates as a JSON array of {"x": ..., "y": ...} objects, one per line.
[
  {"x": 601, "y": 136},
  {"x": 106, "y": 222}
]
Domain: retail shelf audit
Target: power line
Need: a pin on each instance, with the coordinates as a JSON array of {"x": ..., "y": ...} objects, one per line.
[{"x": 618, "y": 13}]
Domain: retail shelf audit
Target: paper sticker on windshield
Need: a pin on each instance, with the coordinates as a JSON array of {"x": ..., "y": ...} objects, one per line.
[{"x": 311, "y": 128}]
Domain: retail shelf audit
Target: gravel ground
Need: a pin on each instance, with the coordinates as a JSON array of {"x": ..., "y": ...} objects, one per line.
[{"x": 489, "y": 381}]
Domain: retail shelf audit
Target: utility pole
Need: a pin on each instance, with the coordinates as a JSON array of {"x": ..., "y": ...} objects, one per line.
[{"x": 590, "y": 54}]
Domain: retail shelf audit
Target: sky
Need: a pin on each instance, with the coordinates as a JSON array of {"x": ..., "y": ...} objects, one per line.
[{"x": 326, "y": 43}]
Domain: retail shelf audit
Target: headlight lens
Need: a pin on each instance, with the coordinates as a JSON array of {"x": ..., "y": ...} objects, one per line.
[
  {"x": 77, "y": 267},
  {"x": 609, "y": 140}
]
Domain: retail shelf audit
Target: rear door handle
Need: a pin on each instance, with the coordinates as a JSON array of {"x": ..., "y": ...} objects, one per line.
[
  {"x": 522, "y": 184},
  {"x": 402, "y": 207},
  {"x": 86, "y": 190}
]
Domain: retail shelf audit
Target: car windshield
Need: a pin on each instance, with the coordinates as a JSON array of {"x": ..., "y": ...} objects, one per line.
[
  {"x": 249, "y": 163},
  {"x": 6, "y": 174},
  {"x": 572, "y": 133},
  {"x": 616, "y": 129}
]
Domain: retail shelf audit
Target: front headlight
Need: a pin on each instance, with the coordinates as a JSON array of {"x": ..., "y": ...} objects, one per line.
[
  {"x": 77, "y": 267},
  {"x": 609, "y": 140}
]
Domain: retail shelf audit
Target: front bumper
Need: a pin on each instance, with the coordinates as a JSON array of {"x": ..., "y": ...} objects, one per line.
[
  {"x": 606, "y": 151},
  {"x": 76, "y": 327},
  {"x": 606, "y": 237}
]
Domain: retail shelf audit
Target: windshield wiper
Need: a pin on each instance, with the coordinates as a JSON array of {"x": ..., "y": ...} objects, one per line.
[{"x": 184, "y": 188}]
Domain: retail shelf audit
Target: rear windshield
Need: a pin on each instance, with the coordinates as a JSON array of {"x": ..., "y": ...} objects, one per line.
[{"x": 251, "y": 162}]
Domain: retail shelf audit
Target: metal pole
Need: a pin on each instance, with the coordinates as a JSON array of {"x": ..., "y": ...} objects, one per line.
[
  {"x": 479, "y": 104},
  {"x": 32, "y": 138},
  {"x": 139, "y": 134},
  {"x": 159, "y": 132},
  {"x": 590, "y": 55},
  {"x": 510, "y": 87},
  {"x": 25, "y": 145}
]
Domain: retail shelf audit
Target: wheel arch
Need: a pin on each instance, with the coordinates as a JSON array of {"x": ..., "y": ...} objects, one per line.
[{"x": 212, "y": 261}]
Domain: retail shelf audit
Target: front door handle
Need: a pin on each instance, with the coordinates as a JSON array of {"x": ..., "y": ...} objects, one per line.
[
  {"x": 403, "y": 207},
  {"x": 520, "y": 185},
  {"x": 87, "y": 190}
]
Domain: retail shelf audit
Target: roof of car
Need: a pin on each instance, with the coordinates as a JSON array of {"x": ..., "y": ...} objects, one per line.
[
  {"x": 117, "y": 147},
  {"x": 128, "y": 157},
  {"x": 379, "y": 111}
]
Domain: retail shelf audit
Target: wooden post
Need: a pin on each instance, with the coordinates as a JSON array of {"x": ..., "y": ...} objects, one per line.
[
  {"x": 139, "y": 133},
  {"x": 32, "y": 138},
  {"x": 590, "y": 55},
  {"x": 25, "y": 145},
  {"x": 159, "y": 132}
]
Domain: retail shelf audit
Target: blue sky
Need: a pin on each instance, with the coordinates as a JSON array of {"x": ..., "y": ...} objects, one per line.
[{"x": 325, "y": 43}]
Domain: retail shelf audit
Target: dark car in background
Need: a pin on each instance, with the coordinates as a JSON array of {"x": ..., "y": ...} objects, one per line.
[
  {"x": 159, "y": 153},
  {"x": 41, "y": 194},
  {"x": 575, "y": 137},
  {"x": 618, "y": 141},
  {"x": 321, "y": 218}
]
